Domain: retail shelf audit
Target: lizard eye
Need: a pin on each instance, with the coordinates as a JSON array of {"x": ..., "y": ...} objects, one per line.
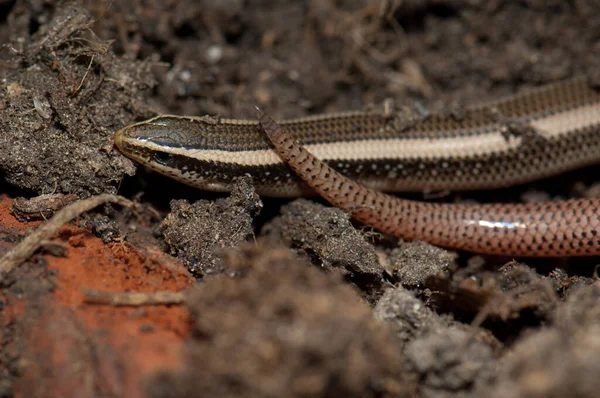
[{"x": 162, "y": 157}]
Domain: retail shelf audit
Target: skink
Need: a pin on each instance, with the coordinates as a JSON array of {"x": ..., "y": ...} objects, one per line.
[{"x": 531, "y": 135}]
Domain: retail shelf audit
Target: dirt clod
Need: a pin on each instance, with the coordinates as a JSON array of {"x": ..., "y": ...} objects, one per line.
[
  {"x": 449, "y": 362},
  {"x": 55, "y": 123},
  {"x": 414, "y": 262},
  {"x": 326, "y": 236},
  {"x": 408, "y": 316},
  {"x": 196, "y": 232},
  {"x": 284, "y": 329}
]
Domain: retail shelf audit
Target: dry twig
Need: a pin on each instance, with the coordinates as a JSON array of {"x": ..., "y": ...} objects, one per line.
[
  {"x": 29, "y": 245},
  {"x": 134, "y": 299}
]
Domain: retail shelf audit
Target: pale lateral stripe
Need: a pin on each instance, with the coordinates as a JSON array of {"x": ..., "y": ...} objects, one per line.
[
  {"x": 437, "y": 148},
  {"x": 555, "y": 125},
  {"x": 423, "y": 148}
]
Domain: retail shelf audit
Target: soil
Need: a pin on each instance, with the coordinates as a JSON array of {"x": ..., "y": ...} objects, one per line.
[{"x": 284, "y": 298}]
